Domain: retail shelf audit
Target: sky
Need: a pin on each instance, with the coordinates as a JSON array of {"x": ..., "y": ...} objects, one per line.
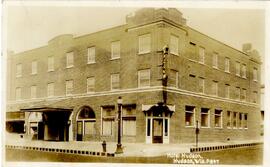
[{"x": 31, "y": 26}]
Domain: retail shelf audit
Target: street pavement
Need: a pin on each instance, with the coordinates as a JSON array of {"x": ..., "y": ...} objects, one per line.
[{"x": 130, "y": 149}]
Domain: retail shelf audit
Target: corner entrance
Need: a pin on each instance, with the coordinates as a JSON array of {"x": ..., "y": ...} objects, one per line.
[{"x": 157, "y": 122}]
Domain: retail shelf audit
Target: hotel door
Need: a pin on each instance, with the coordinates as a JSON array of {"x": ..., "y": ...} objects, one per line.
[{"x": 157, "y": 130}]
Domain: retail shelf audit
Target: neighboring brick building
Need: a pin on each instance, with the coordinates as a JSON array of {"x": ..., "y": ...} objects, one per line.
[{"x": 77, "y": 81}]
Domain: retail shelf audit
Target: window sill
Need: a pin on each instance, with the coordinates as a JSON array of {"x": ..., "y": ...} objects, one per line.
[
  {"x": 202, "y": 63},
  {"x": 218, "y": 127},
  {"x": 227, "y": 72},
  {"x": 215, "y": 68},
  {"x": 244, "y": 77},
  {"x": 33, "y": 73},
  {"x": 116, "y": 58},
  {"x": 175, "y": 54},
  {"x": 91, "y": 62},
  {"x": 19, "y": 76},
  {"x": 205, "y": 127},
  {"x": 237, "y": 75},
  {"x": 70, "y": 67},
  {"x": 142, "y": 53},
  {"x": 50, "y": 71},
  {"x": 90, "y": 92},
  {"x": 189, "y": 126},
  {"x": 255, "y": 80}
]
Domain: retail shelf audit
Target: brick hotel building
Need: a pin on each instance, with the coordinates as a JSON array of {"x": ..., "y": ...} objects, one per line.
[{"x": 68, "y": 89}]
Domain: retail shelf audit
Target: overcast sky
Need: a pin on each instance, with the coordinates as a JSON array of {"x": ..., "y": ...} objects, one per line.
[{"x": 29, "y": 27}]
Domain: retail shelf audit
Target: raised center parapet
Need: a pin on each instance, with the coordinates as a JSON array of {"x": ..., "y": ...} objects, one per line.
[{"x": 152, "y": 15}]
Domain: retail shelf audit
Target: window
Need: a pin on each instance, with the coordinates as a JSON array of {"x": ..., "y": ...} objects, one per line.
[
  {"x": 215, "y": 88},
  {"x": 70, "y": 59},
  {"x": 227, "y": 64},
  {"x": 34, "y": 67},
  {"x": 244, "y": 94},
  {"x": 174, "y": 44},
  {"x": 33, "y": 92},
  {"x": 240, "y": 123},
  {"x": 50, "y": 89},
  {"x": 244, "y": 71},
  {"x": 255, "y": 97},
  {"x": 91, "y": 55},
  {"x": 201, "y": 85},
  {"x": 205, "y": 117},
  {"x": 218, "y": 118},
  {"x": 144, "y": 78},
  {"x": 69, "y": 87},
  {"x": 18, "y": 94},
  {"x": 255, "y": 74},
  {"x": 129, "y": 121},
  {"x": 201, "y": 55},
  {"x": 237, "y": 93},
  {"x": 237, "y": 68},
  {"x": 189, "y": 117},
  {"x": 227, "y": 91},
  {"x": 108, "y": 117},
  {"x": 144, "y": 43},
  {"x": 115, "y": 81},
  {"x": 90, "y": 84},
  {"x": 115, "y": 50},
  {"x": 173, "y": 78},
  {"x": 215, "y": 60},
  {"x": 51, "y": 63},
  {"x": 234, "y": 120},
  {"x": 18, "y": 70},
  {"x": 86, "y": 120},
  {"x": 229, "y": 119},
  {"x": 245, "y": 123}
]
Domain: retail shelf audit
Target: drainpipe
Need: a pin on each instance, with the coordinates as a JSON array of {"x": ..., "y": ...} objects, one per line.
[{"x": 164, "y": 75}]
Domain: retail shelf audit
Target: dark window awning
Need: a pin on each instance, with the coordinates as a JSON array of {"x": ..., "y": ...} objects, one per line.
[{"x": 47, "y": 109}]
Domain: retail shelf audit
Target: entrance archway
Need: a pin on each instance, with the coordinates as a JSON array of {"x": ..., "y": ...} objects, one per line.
[{"x": 86, "y": 120}]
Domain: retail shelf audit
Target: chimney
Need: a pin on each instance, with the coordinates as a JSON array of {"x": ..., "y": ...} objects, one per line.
[{"x": 247, "y": 47}]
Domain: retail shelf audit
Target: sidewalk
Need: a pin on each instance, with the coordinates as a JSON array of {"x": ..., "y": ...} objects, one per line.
[{"x": 130, "y": 149}]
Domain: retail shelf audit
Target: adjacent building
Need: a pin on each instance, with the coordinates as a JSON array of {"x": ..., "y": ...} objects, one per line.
[{"x": 68, "y": 89}]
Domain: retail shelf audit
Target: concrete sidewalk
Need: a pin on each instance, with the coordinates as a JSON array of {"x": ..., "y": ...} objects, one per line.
[{"x": 130, "y": 149}]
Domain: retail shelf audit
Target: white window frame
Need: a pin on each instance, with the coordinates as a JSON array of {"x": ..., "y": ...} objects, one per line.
[
  {"x": 50, "y": 63},
  {"x": 18, "y": 93},
  {"x": 115, "y": 46},
  {"x": 34, "y": 67},
  {"x": 117, "y": 75},
  {"x": 50, "y": 89},
  {"x": 144, "y": 43},
  {"x": 91, "y": 55},
  {"x": 227, "y": 91},
  {"x": 201, "y": 55},
  {"x": 237, "y": 68},
  {"x": 221, "y": 118},
  {"x": 215, "y": 60},
  {"x": 90, "y": 81},
  {"x": 244, "y": 71},
  {"x": 33, "y": 92},
  {"x": 227, "y": 65},
  {"x": 70, "y": 59},
  {"x": 255, "y": 74},
  {"x": 69, "y": 85},
  {"x": 19, "y": 70},
  {"x": 194, "y": 115},
  {"x": 140, "y": 75},
  {"x": 215, "y": 88},
  {"x": 208, "y": 118},
  {"x": 174, "y": 44}
]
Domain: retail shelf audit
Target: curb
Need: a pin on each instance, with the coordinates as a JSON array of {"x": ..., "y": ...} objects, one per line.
[
  {"x": 59, "y": 150},
  {"x": 213, "y": 148}
]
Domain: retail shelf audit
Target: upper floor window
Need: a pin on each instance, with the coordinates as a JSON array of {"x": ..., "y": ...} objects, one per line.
[
  {"x": 18, "y": 94},
  {"x": 238, "y": 93},
  {"x": 144, "y": 78},
  {"x": 227, "y": 64},
  {"x": 215, "y": 60},
  {"x": 244, "y": 94},
  {"x": 215, "y": 88},
  {"x": 91, "y": 55},
  {"x": 255, "y": 97},
  {"x": 115, "y": 84},
  {"x": 174, "y": 44},
  {"x": 255, "y": 74},
  {"x": 115, "y": 50},
  {"x": 173, "y": 78},
  {"x": 19, "y": 70},
  {"x": 70, "y": 59},
  {"x": 69, "y": 87},
  {"x": 201, "y": 85},
  {"x": 244, "y": 71},
  {"x": 90, "y": 84},
  {"x": 50, "y": 89},
  {"x": 33, "y": 92},
  {"x": 34, "y": 67},
  {"x": 237, "y": 68},
  {"x": 144, "y": 43},
  {"x": 201, "y": 55},
  {"x": 51, "y": 63},
  {"x": 227, "y": 91}
]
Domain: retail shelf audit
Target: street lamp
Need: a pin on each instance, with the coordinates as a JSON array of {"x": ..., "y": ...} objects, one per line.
[{"x": 119, "y": 149}]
